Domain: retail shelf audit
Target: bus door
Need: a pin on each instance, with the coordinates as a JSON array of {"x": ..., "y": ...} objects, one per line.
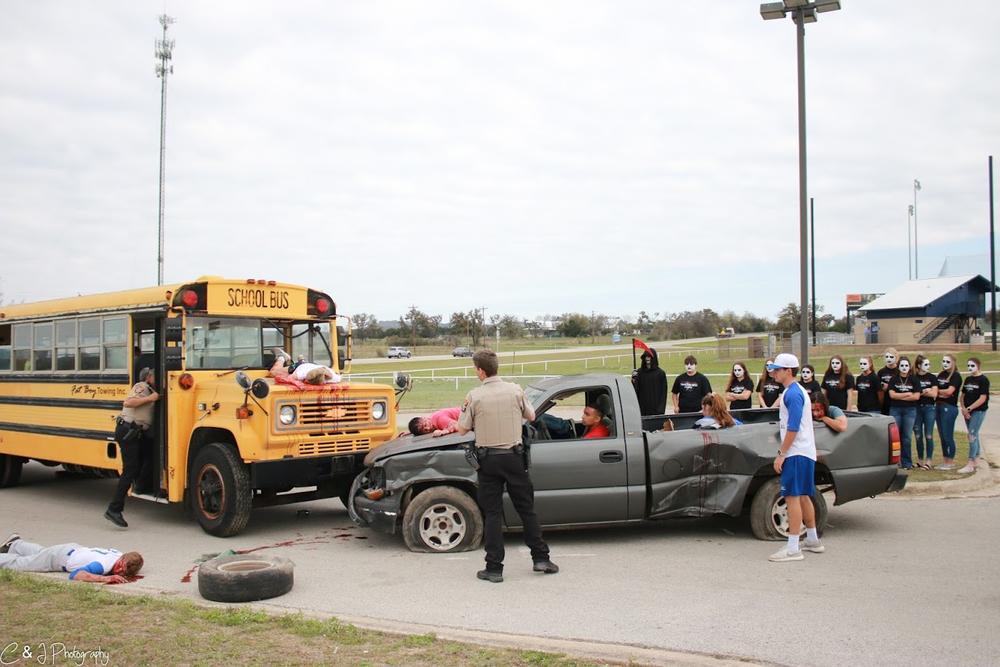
[{"x": 147, "y": 334}]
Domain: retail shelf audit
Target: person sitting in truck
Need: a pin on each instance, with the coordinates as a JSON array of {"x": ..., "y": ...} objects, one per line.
[
  {"x": 715, "y": 414},
  {"x": 438, "y": 423},
  {"x": 831, "y": 415},
  {"x": 594, "y": 422}
]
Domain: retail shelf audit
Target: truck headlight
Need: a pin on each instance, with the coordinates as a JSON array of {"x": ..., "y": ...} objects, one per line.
[
  {"x": 287, "y": 415},
  {"x": 378, "y": 410}
]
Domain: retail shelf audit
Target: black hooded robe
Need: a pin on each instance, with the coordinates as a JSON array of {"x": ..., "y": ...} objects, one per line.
[{"x": 650, "y": 385}]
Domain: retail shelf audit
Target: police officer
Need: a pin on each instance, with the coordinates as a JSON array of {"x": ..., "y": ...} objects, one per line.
[
  {"x": 494, "y": 411},
  {"x": 133, "y": 436}
]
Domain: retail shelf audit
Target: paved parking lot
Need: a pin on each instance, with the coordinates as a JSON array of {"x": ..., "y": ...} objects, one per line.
[{"x": 904, "y": 581}]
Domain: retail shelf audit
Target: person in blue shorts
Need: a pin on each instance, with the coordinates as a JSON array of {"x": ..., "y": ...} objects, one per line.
[{"x": 796, "y": 459}]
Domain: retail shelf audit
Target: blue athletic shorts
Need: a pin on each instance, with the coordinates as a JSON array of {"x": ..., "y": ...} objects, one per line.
[{"x": 798, "y": 476}]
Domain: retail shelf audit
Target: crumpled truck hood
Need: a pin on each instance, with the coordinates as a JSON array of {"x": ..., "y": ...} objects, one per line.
[{"x": 410, "y": 443}]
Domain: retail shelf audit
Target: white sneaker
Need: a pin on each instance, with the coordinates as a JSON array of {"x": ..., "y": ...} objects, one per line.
[
  {"x": 783, "y": 556},
  {"x": 945, "y": 466},
  {"x": 815, "y": 547},
  {"x": 967, "y": 469}
]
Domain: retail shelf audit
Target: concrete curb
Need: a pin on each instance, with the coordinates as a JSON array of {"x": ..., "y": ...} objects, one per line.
[{"x": 984, "y": 477}]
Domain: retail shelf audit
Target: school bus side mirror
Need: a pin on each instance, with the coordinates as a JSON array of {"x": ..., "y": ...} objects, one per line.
[
  {"x": 260, "y": 388},
  {"x": 243, "y": 380}
]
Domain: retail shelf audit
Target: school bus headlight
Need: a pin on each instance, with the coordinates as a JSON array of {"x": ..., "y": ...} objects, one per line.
[
  {"x": 287, "y": 415},
  {"x": 378, "y": 410}
]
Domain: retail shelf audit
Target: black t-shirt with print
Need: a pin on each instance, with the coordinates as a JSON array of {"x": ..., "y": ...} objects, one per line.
[
  {"x": 974, "y": 387},
  {"x": 746, "y": 384},
  {"x": 926, "y": 381},
  {"x": 811, "y": 386},
  {"x": 885, "y": 374},
  {"x": 770, "y": 389},
  {"x": 943, "y": 382},
  {"x": 834, "y": 394},
  {"x": 691, "y": 388},
  {"x": 903, "y": 385},
  {"x": 868, "y": 387}
]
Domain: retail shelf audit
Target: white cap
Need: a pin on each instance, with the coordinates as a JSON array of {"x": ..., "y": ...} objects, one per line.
[{"x": 784, "y": 360}]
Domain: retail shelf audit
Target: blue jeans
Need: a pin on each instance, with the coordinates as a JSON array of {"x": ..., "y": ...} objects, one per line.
[
  {"x": 946, "y": 416},
  {"x": 974, "y": 423},
  {"x": 923, "y": 427},
  {"x": 904, "y": 420}
]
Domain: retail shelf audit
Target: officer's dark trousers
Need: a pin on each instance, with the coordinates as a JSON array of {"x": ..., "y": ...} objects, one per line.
[
  {"x": 136, "y": 462},
  {"x": 495, "y": 471}
]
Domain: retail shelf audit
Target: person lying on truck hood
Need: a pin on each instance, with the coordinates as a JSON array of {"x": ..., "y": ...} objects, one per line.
[{"x": 439, "y": 423}]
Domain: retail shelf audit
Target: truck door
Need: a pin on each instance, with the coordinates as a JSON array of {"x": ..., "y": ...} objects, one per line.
[{"x": 577, "y": 479}]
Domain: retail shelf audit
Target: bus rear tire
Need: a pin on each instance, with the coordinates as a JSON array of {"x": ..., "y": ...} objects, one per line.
[
  {"x": 10, "y": 470},
  {"x": 220, "y": 493}
]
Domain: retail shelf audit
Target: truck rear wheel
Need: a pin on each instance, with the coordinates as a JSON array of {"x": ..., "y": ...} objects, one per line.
[
  {"x": 219, "y": 489},
  {"x": 769, "y": 513},
  {"x": 442, "y": 519},
  {"x": 10, "y": 470}
]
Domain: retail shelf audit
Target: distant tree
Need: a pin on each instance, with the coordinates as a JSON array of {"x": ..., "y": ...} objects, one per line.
[
  {"x": 788, "y": 318},
  {"x": 596, "y": 325},
  {"x": 418, "y": 324},
  {"x": 511, "y": 327},
  {"x": 468, "y": 324},
  {"x": 644, "y": 323},
  {"x": 365, "y": 326},
  {"x": 573, "y": 325}
]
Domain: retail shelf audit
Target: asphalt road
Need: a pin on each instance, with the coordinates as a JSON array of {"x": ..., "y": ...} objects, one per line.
[{"x": 904, "y": 581}]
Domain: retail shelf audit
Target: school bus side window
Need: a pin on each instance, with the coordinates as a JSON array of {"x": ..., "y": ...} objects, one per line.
[
  {"x": 115, "y": 353},
  {"x": 66, "y": 345},
  {"x": 22, "y": 347},
  {"x": 5, "y": 348},
  {"x": 90, "y": 344}
]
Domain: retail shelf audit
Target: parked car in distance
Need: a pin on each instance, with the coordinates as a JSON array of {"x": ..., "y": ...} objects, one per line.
[
  {"x": 399, "y": 353},
  {"x": 462, "y": 352}
]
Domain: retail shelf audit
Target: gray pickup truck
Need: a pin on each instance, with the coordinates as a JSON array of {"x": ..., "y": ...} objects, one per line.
[{"x": 424, "y": 488}]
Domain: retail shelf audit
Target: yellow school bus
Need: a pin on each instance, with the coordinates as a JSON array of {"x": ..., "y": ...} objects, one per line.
[{"x": 227, "y": 437}]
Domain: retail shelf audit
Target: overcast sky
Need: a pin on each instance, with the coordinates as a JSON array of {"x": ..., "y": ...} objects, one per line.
[{"x": 529, "y": 157}]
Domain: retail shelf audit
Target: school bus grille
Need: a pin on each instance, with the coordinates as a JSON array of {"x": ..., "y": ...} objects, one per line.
[
  {"x": 331, "y": 447},
  {"x": 336, "y": 414}
]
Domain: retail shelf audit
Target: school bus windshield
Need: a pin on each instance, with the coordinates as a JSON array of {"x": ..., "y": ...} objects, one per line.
[{"x": 230, "y": 342}]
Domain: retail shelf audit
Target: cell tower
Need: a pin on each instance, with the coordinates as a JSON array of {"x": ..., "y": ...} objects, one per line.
[{"x": 164, "y": 52}]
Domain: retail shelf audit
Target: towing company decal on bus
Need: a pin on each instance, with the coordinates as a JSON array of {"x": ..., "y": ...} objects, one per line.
[
  {"x": 255, "y": 299},
  {"x": 97, "y": 391}
]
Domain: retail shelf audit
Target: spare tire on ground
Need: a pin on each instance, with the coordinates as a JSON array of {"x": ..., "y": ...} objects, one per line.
[{"x": 245, "y": 578}]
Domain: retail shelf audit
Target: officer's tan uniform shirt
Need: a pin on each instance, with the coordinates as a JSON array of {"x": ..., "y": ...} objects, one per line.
[
  {"x": 494, "y": 411},
  {"x": 142, "y": 415}
]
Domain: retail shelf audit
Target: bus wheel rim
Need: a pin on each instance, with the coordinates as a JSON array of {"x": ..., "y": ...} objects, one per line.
[{"x": 211, "y": 492}]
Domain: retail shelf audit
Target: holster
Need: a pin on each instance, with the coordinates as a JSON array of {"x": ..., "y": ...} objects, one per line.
[{"x": 472, "y": 456}]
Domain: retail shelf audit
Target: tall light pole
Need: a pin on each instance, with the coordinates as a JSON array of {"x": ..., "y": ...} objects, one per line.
[
  {"x": 164, "y": 53},
  {"x": 916, "y": 252},
  {"x": 909, "y": 243},
  {"x": 802, "y": 12}
]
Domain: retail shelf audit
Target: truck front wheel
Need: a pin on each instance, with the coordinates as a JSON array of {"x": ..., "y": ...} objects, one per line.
[
  {"x": 442, "y": 519},
  {"x": 769, "y": 513},
  {"x": 220, "y": 491}
]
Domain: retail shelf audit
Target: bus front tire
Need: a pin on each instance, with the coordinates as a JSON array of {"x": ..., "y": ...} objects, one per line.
[
  {"x": 10, "y": 470},
  {"x": 220, "y": 493}
]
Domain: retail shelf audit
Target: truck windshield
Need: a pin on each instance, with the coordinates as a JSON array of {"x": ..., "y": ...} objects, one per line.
[
  {"x": 534, "y": 395},
  {"x": 227, "y": 342}
]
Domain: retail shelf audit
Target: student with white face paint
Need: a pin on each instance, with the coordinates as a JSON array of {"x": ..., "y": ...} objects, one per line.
[
  {"x": 975, "y": 402},
  {"x": 808, "y": 379},
  {"x": 903, "y": 396},
  {"x": 891, "y": 356},
  {"x": 739, "y": 389},
  {"x": 923, "y": 426},
  {"x": 949, "y": 382},
  {"x": 768, "y": 389},
  {"x": 690, "y": 387},
  {"x": 867, "y": 387},
  {"x": 837, "y": 382}
]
